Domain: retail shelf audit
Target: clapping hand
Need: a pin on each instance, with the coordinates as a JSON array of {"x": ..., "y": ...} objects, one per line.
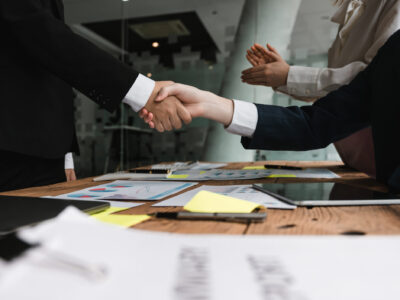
[
  {"x": 258, "y": 55},
  {"x": 269, "y": 68}
]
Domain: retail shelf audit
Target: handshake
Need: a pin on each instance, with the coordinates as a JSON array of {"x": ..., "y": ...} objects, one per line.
[{"x": 172, "y": 103}]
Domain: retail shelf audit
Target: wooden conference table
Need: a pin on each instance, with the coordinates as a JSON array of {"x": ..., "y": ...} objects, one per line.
[{"x": 315, "y": 221}]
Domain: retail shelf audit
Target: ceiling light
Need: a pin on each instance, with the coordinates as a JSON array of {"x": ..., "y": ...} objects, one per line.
[{"x": 155, "y": 44}]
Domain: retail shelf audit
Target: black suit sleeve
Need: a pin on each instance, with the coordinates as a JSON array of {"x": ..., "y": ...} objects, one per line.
[
  {"x": 48, "y": 42},
  {"x": 331, "y": 118}
]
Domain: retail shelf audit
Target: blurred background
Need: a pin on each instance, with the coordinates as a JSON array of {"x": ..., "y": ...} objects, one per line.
[{"x": 200, "y": 43}]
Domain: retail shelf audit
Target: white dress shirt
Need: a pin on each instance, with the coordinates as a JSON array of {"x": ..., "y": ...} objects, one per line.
[
  {"x": 69, "y": 161},
  {"x": 364, "y": 27},
  {"x": 245, "y": 118},
  {"x": 371, "y": 22},
  {"x": 136, "y": 98}
]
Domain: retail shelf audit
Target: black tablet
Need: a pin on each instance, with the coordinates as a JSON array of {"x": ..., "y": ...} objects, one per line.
[
  {"x": 326, "y": 194},
  {"x": 16, "y": 212}
]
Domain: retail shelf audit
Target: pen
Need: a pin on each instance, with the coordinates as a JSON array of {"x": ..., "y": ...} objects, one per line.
[
  {"x": 233, "y": 217},
  {"x": 282, "y": 167}
]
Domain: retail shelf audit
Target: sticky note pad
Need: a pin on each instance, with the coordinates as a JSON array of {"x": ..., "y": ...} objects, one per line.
[
  {"x": 109, "y": 211},
  {"x": 122, "y": 220},
  {"x": 178, "y": 176},
  {"x": 254, "y": 168},
  {"x": 209, "y": 202}
]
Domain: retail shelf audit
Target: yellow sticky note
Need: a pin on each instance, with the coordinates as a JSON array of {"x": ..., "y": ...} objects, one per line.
[
  {"x": 281, "y": 176},
  {"x": 202, "y": 172},
  {"x": 109, "y": 211},
  {"x": 122, "y": 220},
  {"x": 254, "y": 168},
  {"x": 178, "y": 176},
  {"x": 209, "y": 202}
]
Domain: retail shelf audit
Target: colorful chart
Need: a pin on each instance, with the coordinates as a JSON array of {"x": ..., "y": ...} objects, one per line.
[
  {"x": 102, "y": 190},
  {"x": 117, "y": 186},
  {"x": 83, "y": 196}
]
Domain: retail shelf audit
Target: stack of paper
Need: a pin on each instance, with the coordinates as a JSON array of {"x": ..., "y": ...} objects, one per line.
[
  {"x": 146, "y": 265},
  {"x": 226, "y": 174},
  {"x": 175, "y": 166},
  {"x": 197, "y": 174}
]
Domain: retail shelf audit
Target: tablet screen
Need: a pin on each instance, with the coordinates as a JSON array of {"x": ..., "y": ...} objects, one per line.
[{"x": 323, "y": 191}]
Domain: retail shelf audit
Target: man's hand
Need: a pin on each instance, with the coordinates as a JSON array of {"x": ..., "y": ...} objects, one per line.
[
  {"x": 70, "y": 175},
  {"x": 166, "y": 115},
  {"x": 199, "y": 103},
  {"x": 269, "y": 68}
]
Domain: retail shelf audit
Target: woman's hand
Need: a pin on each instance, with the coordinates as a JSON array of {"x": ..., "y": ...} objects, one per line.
[
  {"x": 258, "y": 55},
  {"x": 273, "y": 73},
  {"x": 199, "y": 103}
]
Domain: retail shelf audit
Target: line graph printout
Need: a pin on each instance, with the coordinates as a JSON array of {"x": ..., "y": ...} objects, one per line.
[{"x": 129, "y": 190}]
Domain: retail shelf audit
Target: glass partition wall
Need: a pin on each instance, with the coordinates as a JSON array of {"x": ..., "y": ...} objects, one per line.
[
  {"x": 191, "y": 42},
  {"x": 166, "y": 44}
]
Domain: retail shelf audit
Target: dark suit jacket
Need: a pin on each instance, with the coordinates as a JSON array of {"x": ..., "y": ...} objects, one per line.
[
  {"x": 371, "y": 99},
  {"x": 40, "y": 59}
]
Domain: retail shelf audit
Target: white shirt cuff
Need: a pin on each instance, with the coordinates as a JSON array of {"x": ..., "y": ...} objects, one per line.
[
  {"x": 302, "y": 81},
  {"x": 245, "y": 118},
  {"x": 139, "y": 93},
  {"x": 69, "y": 161}
]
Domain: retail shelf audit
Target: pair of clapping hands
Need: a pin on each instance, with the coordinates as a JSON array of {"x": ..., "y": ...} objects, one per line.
[{"x": 175, "y": 103}]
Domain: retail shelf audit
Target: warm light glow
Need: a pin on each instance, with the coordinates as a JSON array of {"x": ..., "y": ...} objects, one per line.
[
  {"x": 149, "y": 74},
  {"x": 155, "y": 45}
]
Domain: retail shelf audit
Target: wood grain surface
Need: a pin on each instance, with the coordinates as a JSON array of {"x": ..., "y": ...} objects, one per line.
[{"x": 308, "y": 221}]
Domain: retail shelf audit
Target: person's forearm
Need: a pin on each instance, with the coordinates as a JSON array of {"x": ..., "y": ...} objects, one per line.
[
  {"x": 217, "y": 108},
  {"x": 316, "y": 126}
]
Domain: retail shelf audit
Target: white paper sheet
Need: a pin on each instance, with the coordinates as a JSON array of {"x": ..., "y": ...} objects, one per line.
[
  {"x": 129, "y": 190},
  {"x": 175, "y": 165},
  {"x": 225, "y": 174},
  {"x": 145, "y": 265},
  {"x": 193, "y": 166},
  {"x": 207, "y": 166},
  {"x": 130, "y": 176},
  {"x": 244, "y": 192}
]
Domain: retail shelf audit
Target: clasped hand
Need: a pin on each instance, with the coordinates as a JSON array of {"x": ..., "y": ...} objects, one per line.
[
  {"x": 175, "y": 102},
  {"x": 165, "y": 115}
]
